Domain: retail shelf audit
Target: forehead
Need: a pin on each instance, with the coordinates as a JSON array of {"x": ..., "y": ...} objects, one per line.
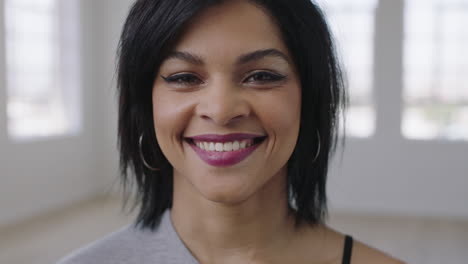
[{"x": 233, "y": 27}]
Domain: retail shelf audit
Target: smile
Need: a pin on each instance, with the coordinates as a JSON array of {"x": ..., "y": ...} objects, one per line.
[
  {"x": 224, "y": 150},
  {"x": 227, "y": 146}
]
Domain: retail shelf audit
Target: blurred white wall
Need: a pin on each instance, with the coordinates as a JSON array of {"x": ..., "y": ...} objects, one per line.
[
  {"x": 46, "y": 174},
  {"x": 384, "y": 174}
]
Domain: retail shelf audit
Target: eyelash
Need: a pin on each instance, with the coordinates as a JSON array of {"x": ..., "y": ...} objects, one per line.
[
  {"x": 178, "y": 79},
  {"x": 272, "y": 77},
  {"x": 188, "y": 79}
]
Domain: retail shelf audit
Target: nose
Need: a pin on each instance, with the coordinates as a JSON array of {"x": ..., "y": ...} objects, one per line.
[{"x": 222, "y": 104}]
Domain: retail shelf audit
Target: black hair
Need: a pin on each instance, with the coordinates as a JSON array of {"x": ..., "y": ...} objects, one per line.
[{"x": 151, "y": 29}]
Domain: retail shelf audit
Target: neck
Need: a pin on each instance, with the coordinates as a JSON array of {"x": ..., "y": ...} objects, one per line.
[{"x": 220, "y": 233}]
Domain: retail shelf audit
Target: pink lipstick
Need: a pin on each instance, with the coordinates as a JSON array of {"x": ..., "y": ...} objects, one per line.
[{"x": 222, "y": 158}]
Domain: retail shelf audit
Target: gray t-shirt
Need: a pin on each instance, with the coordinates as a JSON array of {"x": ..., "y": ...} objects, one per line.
[{"x": 131, "y": 245}]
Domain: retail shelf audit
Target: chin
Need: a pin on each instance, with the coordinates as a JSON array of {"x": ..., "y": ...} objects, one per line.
[{"x": 229, "y": 195}]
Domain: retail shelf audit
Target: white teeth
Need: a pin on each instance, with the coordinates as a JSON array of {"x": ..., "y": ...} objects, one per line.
[
  {"x": 219, "y": 146},
  {"x": 243, "y": 144},
  {"x": 235, "y": 145},
  {"x": 226, "y": 146}
]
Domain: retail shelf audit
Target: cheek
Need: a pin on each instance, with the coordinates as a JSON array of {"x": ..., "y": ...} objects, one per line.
[
  {"x": 170, "y": 116},
  {"x": 280, "y": 113},
  {"x": 284, "y": 115}
]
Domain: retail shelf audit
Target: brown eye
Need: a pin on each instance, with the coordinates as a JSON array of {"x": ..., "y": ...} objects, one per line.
[
  {"x": 264, "y": 77},
  {"x": 184, "y": 79}
]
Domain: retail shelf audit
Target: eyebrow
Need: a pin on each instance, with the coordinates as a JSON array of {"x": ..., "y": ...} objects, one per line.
[
  {"x": 243, "y": 59},
  {"x": 185, "y": 56},
  {"x": 260, "y": 54}
]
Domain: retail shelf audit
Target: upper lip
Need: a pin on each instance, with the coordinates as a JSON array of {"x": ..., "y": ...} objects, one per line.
[{"x": 224, "y": 138}]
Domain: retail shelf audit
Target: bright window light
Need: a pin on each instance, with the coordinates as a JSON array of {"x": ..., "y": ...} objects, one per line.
[
  {"x": 352, "y": 24},
  {"x": 436, "y": 70},
  {"x": 38, "y": 65}
]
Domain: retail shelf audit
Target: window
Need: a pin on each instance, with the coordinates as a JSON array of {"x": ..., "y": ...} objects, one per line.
[
  {"x": 42, "y": 68},
  {"x": 436, "y": 70},
  {"x": 352, "y": 23}
]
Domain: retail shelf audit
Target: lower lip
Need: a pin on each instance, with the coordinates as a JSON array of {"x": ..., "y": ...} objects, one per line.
[{"x": 224, "y": 158}]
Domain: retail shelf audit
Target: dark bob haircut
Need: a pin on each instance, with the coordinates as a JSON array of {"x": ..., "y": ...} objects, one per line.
[{"x": 151, "y": 30}]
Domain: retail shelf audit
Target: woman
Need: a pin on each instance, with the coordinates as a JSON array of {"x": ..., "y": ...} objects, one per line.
[{"x": 228, "y": 115}]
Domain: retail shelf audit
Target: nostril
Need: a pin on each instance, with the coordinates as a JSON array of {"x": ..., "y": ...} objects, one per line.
[
  {"x": 222, "y": 112},
  {"x": 223, "y": 120}
]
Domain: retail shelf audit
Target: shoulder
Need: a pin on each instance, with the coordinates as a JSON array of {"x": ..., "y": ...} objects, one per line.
[
  {"x": 365, "y": 254},
  {"x": 110, "y": 249},
  {"x": 130, "y": 244},
  {"x": 330, "y": 244},
  {"x": 133, "y": 244},
  {"x": 361, "y": 253}
]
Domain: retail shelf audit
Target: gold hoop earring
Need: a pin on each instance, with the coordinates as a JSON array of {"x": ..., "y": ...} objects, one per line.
[{"x": 142, "y": 157}]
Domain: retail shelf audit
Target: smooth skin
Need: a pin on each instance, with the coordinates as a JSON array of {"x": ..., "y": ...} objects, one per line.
[{"x": 230, "y": 72}]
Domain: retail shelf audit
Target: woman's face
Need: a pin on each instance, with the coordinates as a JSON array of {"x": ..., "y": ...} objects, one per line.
[{"x": 226, "y": 105}]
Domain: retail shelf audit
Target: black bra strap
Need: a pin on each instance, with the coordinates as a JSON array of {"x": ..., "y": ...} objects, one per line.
[{"x": 348, "y": 248}]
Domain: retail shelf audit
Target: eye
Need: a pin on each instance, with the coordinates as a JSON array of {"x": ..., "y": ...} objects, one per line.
[
  {"x": 264, "y": 77},
  {"x": 183, "y": 79}
]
